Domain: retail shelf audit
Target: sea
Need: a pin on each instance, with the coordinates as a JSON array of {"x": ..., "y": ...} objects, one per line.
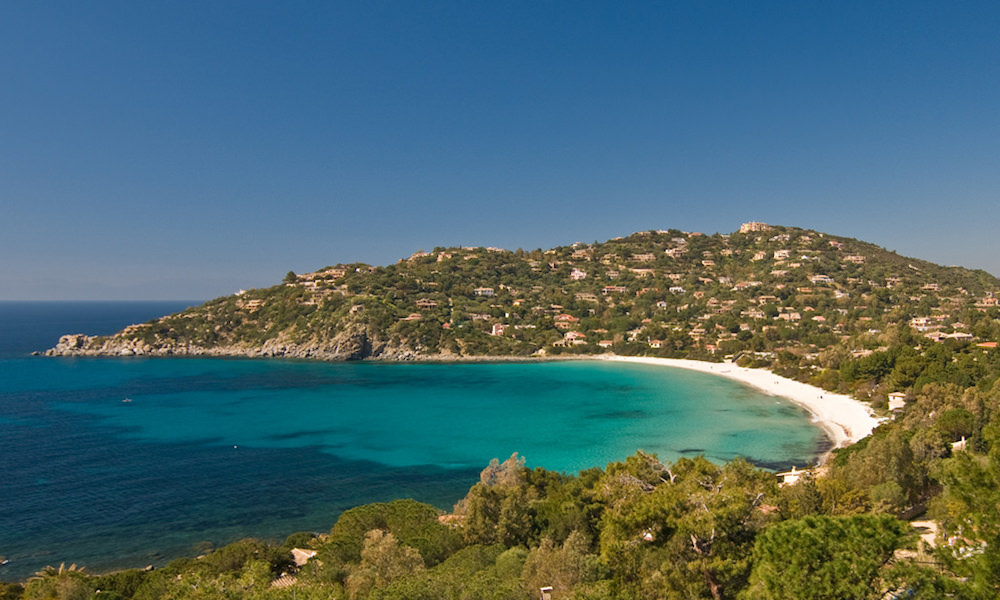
[{"x": 127, "y": 462}]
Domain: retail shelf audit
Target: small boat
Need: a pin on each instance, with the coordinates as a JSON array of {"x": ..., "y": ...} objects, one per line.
[{"x": 127, "y": 400}]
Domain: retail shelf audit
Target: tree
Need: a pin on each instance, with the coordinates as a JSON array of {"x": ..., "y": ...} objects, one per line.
[
  {"x": 11, "y": 591},
  {"x": 970, "y": 507},
  {"x": 383, "y": 560},
  {"x": 824, "y": 558},
  {"x": 509, "y": 473},
  {"x": 499, "y": 509},
  {"x": 800, "y": 500},
  {"x": 290, "y": 277},
  {"x": 561, "y": 567},
  {"x": 688, "y": 528},
  {"x": 957, "y": 423},
  {"x": 64, "y": 583},
  {"x": 480, "y": 572},
  {"x": 883, "y": 468},
  {"x": 412, "y": 523}
]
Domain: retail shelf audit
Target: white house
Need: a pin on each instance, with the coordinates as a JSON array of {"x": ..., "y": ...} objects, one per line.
[
  {"x": 897, "y": 400},
  {"x": 792, "y": 477}
]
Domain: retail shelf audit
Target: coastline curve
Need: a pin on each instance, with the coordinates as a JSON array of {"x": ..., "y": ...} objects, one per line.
[{"x": 844, "y": 419}]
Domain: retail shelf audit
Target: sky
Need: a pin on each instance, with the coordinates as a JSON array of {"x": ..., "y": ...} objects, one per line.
[{"x": 188, "y": 149}]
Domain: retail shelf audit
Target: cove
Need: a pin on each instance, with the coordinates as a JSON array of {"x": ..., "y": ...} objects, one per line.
[{"x": 127, "y": 462}]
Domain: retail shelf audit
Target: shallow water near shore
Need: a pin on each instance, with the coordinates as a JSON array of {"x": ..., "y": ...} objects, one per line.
[{"x": 127, "y": 462}]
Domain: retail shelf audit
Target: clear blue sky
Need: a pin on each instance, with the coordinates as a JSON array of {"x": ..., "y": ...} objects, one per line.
[{"x": 188, "y": 149}]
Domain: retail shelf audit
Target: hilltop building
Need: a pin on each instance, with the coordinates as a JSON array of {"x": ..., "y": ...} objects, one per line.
[{"x": 753, "y": 226}]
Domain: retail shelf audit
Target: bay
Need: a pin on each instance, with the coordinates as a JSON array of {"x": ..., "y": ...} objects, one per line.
[{"x": 125, "y": 462}]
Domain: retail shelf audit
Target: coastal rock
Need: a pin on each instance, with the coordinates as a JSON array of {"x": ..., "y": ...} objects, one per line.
[
  {"x": 73, "y": 343},
  {"x": 358, "y": 341},
  {"x": 355, "y": 343}
]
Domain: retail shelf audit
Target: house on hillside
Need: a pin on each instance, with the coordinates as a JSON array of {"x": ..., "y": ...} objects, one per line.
[
  {"x": 253, "y": 305},
  {"x": 302, "y": 556},
  {"x": 565, "y": 321},
  {"x": 923, "y": 323},
  {"x": 897, "y": 401},
  {"x": 959, "y": 335},
  {"x": 754, "y": 226},
  {"x": 792, "y": 477},
  {"x": 989, "y": 301}
]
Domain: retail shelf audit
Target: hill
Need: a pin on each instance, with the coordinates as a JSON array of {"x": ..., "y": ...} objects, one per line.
[{"x": 755, "y": 293}]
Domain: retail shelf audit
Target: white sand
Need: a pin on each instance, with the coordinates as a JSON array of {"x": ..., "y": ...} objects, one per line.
[{"x": 843, "y": 418}]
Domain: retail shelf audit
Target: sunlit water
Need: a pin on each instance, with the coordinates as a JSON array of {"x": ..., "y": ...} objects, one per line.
[{"x": 126, "y": 462}]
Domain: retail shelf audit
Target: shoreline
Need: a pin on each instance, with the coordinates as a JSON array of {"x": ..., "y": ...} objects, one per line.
[{"x": 844, "y": 419}]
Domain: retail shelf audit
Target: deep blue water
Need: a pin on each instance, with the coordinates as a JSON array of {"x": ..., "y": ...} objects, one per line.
[{"x": 126, "y": 462}]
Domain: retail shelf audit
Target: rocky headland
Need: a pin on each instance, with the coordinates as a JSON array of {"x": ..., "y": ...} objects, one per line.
[{"x": 356, "y": 343}]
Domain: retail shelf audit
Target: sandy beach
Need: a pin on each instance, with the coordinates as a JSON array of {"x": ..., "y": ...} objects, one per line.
[{"x": 843, "y": 418}]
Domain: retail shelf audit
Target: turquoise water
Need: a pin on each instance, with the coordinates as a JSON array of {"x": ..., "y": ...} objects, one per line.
[{"x": 125, "y": 462}]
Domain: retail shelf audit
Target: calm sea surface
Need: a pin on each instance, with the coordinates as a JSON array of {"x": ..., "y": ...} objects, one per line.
[{"x": 126, "y": 462}]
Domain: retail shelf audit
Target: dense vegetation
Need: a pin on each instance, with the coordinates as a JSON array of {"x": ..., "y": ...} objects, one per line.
[{"x": 835, "y": 312}]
